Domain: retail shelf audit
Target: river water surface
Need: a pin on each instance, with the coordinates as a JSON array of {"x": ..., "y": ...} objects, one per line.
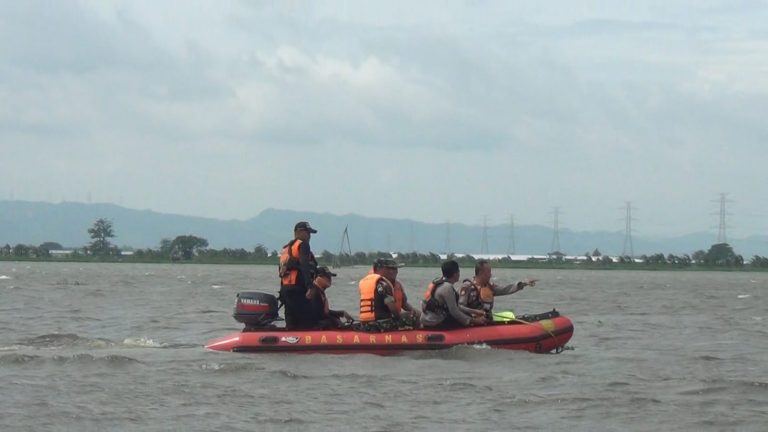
[{"x": 94, "y": 347}]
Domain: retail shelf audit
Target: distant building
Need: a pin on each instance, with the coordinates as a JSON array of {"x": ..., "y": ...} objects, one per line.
[{"x": 557, "y": 256}]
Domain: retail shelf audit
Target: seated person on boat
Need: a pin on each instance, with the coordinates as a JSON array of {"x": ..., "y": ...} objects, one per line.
[
  {"x": 383, "y": 305},
  {"x": 479, "y": 292},
  {"x": 403, "y": 308},
  {"x": 321, "y": 315},
  {"x": 441, "y": 309}
]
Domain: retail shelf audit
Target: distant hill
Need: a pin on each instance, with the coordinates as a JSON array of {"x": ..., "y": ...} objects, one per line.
[{"x": 67, "y": 223}]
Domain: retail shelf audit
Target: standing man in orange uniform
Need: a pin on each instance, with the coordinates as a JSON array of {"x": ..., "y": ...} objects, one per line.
[{"x": 297, "y": 272}]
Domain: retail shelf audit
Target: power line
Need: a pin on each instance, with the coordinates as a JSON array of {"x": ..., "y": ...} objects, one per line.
[{"x": 511, "y": 245}]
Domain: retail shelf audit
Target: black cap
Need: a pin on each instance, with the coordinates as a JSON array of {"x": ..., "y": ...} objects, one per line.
[
  {"x": 324, "y": 271},
  {"x": 304, "y": 226},
  {"x": 386, "y": 263}
]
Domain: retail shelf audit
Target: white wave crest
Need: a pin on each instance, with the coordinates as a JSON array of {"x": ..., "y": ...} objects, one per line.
[
  {"x": 211, "y": 366},
  {"x": 143, "y": 342},
  {"x": 100, "y": 343},
  {"x": 4, "y": 277},
  {"x": 10, "y": 348}
]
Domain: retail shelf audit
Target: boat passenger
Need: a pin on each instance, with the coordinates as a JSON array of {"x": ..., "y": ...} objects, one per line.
[
  {"x": 403, "y": 308},
  {"x": 383, "y": 305},
  {"x": 407, "y": 312},
  {"x": 441, "y": 309},
  {"x": 479, "y": 292},
  {"x": 297, "y": 271},
  {"x": 322, "y": 316}
]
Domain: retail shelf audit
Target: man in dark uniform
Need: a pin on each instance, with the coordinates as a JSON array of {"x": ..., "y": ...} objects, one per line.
[
  {"x": 323, "y": 317},
  {"x": 441, "y": 308},
  {"x": 297, "y": 271}
]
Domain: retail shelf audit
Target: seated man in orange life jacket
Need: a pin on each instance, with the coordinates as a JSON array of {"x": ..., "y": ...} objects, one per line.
[
  {"x": 478, "y": 293},
  {"x": 322, "y": 316},
  {"x": 383, "y": 302},
  {"x": 441, "y": 308}
]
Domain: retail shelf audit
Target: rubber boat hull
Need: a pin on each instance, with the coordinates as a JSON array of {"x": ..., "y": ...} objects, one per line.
[{"x": 540, "y": 336}]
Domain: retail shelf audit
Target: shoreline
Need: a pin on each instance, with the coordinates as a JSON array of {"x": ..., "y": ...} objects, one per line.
[{"x": 500, "y": 265}]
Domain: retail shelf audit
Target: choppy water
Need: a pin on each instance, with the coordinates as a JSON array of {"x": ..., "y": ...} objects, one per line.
[{"x": 119, "y": 347}]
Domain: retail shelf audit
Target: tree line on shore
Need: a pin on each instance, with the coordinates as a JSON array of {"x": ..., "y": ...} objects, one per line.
[{"x": 191, "y": 248}]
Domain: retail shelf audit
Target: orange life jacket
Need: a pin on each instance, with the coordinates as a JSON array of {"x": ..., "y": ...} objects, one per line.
[
  {"x": 289, "y": 263},
  {"x": 479, "y": 296},
  {"x": 486, "y": 297},
  {"x": 326, "y": 306},
  {"x": 399, "y": 295},
  {"x": 398, "y": 292},
  {"x": 368, "y": 296},
  {"x": 321, "y": 284},
  {"x": 430, "y": 303},
  {"x": 486, "y": 294}
]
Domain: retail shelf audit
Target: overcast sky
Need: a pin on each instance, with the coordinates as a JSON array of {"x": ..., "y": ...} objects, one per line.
[{"x": 432, "y": 111}]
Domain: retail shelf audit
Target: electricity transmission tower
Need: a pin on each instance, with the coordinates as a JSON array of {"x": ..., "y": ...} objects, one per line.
[
  {"x": 511, "y": 245},
  {"x": 484, "y": 241},
  {"x": 342, "y": 251},
  {"x": 628, "y": 249},
  {"x": 448, "y": 237},
  {"x": 556, "y": 230},
  {"x": 412, "y": 246},
  {"x": 721, "y": 237}
]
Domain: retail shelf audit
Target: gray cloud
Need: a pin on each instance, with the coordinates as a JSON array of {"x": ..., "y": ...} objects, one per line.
[{"x": 581, "y": 107}]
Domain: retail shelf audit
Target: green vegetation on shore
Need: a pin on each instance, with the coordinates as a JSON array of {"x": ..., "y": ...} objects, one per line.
[{"x": 193, "y": 249}]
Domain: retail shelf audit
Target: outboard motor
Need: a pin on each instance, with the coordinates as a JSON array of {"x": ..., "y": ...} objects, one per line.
[{"x": 255, "y": 309}]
